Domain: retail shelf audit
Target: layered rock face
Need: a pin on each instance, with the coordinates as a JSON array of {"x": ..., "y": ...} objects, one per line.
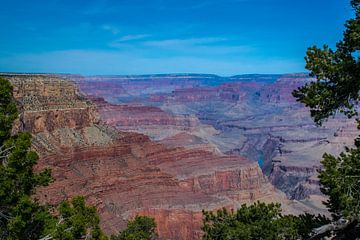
[
  {"x": 140, "y": 115},
  {"x": 250, "y": 115},
  {"x": 149, "y": 120},
  {"x": 227, "y": 92},
  {"x": 281, "y": 90},
  {"x": 169, "y": 146},
  {"x": 49, "y": 103},
  {"x": 126, "y": 173}
]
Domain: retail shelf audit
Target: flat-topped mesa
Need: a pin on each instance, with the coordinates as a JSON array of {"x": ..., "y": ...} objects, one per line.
[{"x": 49, "y": 102}]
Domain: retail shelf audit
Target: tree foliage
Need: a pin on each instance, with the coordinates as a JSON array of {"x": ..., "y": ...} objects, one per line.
[
  {"x": 75, "y": 221},
  {"x": 340, "y": 180},
  {"x": 21, "y": 217},
  {"x": 337, "y": 72},
  {"x": 258, "y": 221},
  {"x": 141, "y": 228},
  {"x": 337, "y": 89},
  {"x": 8, "y": 110}
]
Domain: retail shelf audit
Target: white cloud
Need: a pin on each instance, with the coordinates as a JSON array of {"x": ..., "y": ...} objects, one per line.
[
  {"x": 109, "y": 28},
  {"x": 184, "y": 42},
  {"x": 198, "y": 46},
  {"x": 132, "y": 37}
]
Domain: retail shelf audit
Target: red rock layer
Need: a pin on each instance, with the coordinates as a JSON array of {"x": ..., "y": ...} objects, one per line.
[
  {"x": 140, "y": 115},
  {"x": 132, "y": 175},
  {"x": 124, "y": 174},
  {"x": 187, "y": 140}
]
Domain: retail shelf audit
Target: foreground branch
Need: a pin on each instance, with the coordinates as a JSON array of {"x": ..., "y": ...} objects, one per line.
[{"x": 342, "y": 225}]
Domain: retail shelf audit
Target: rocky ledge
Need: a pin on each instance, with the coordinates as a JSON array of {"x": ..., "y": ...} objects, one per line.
[
  {"x": 124, "y": 173},
  {"x": 48, "y": 102}
]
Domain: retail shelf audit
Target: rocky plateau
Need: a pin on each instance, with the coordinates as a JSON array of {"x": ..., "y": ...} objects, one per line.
[
  {"x": 254, "y": 116},
  {"x": 85, "y": 141}
]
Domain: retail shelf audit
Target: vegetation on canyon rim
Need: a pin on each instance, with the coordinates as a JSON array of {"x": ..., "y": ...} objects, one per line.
[
  {"x": 259, "y": 221},
  {"x": 141, "y": 228},
  {"x": 336, "y": 89},
  {"x": 22, "y": 217}
]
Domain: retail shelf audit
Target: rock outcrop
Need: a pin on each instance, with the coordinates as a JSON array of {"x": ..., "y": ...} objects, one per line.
[
  {"x": 149, "y": 120},
  {"x": 49, "y": 103},
  {"x": 254, "y": 116},
  {"x": 281, "y": 90},
  {"x": 126, "y": 173}
]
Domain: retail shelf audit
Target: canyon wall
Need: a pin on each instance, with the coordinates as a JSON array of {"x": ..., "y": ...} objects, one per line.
[
  {"x": 48, "y": 103},
  {"x": 254, "y": 116},
  {"x": 126, "y": 173}
]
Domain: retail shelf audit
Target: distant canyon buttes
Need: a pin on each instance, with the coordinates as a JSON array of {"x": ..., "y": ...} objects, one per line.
[{"x": 169, "y": 146}]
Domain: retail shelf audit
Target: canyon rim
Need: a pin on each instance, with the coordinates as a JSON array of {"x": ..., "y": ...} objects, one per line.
[{"x": 170, "y": 146}]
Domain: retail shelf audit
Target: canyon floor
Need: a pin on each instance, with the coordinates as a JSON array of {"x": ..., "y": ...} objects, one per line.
[{"x": 169, "y": 146}]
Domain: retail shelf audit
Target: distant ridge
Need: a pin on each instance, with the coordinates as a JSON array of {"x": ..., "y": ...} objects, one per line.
[{"x": 205, "y": 79}]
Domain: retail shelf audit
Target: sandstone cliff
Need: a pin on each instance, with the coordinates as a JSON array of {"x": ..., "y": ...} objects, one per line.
[
  {"x": 248, "y": 115},
  {"x": 123, "y": 173},
  {"x": 48, "y": 103}
]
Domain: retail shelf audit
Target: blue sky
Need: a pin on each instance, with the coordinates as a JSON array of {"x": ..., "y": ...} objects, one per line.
[{"x": 224, "y": 37}]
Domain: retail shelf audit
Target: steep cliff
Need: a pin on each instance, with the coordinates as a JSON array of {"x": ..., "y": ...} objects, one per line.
[
  {"x": 149, "y": 120},
  {"x": 124, "y": 173},
  {"x": 48, "y": 102},
  {"x": 254, "y": 116}
]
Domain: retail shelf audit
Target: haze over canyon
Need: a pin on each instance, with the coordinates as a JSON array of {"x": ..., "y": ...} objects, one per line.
[{"x": 169, "y": 146}]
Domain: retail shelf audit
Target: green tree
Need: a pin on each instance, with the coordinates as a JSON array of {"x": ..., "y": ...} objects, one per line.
[
  {"x": 8, "y": 110},
  {"x": 258, "y": 221},
  {"x": 337, "y": 89},
  {"x": 337, "y": 73},
  {"x": 22, "y": 218},
  {"x": 141, "y": 228},
  {"x": 75, "y": 221}
]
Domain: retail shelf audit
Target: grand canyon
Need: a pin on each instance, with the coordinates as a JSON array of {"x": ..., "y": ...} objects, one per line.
[{"x": 170, "y": 146}]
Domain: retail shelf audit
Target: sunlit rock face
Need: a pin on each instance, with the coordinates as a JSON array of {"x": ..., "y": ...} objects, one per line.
[
  {"x": 48, "y": 103},
  {"x": 169, "y": 146},
  {"x": 127, "y": 173},
  {"x": 254, "y": 116},
  {"x": 124, "y": 174}
]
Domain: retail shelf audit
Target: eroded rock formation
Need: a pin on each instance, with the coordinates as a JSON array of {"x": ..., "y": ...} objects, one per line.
[
  {"x": 126, "y": 173},
  {"x": 48, "y": 103},
  {"x": 249, "y": 115}
]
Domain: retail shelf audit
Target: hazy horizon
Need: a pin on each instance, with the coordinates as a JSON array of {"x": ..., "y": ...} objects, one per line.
[{"x": 151, "y": 74}]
